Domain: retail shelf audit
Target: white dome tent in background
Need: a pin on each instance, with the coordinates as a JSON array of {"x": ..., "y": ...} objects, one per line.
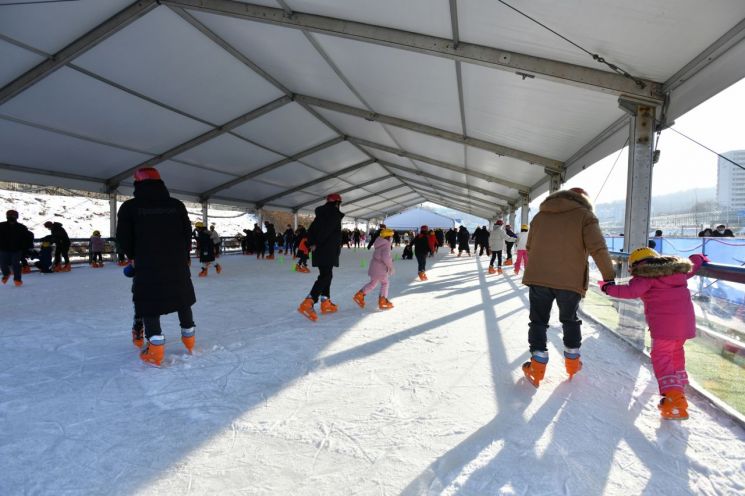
[{"x": 412, "y": 219}]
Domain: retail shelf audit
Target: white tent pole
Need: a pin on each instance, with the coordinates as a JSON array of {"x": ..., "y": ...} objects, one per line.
[{"x": 112, "y": 214}]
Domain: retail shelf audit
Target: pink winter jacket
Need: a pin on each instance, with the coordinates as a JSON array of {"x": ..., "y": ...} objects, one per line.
[
  {"x": 662, "y": 284},
  {"x": 381, "y": 264}
]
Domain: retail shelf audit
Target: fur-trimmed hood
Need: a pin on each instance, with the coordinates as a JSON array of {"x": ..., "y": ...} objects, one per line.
[
  {"x": 662, "y": 266},
  {"x": 565, "y": 200}
]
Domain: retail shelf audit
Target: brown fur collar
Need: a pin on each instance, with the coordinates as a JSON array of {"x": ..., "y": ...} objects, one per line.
[
  {"x": 662, "y": 266},
  {"x": 561, "y": 197}
]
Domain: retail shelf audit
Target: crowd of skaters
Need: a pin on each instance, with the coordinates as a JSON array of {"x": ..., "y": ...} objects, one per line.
[{"x": 155, "y": 235}]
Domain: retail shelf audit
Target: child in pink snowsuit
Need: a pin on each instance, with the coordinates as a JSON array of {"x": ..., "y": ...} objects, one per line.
[
  {"x": 662, "y": 284},
  {"x": 381, "y": 267},
  {"x": 522, "y": 250}
]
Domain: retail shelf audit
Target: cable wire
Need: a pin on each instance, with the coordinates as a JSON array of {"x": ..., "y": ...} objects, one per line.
[
  {"x": 707, "y": 148},
  {"x": 611, "y": 170},
  {"x": 595, "y": 56}
]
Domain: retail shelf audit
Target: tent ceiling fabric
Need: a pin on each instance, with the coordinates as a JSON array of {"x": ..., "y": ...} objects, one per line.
[{"x": 391, "y": 103}]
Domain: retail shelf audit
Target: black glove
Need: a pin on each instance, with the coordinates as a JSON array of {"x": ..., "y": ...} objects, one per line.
[{"x": 606, "y": 285}]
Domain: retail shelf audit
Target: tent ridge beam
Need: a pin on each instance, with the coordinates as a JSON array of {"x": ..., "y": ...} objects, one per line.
[
  {"x": 268, "y": 168},
  {"x": 346, "y": 190},
  {"x": 81, "y": 45},
  {"x": 445, "y": 180},
  {"x": 487, "y": 56},
  {"x": 532, "y": 158},
  {"x": 351, "y": 168},
  {"x": 367, "y": 197},
  {"x": 466, "y": 200},
  {"x": 473, "y": 199},
  {"x": 384, "y": 200},
  {"x": 202, "y": 138},
  {"x": 438, "y": 163}
]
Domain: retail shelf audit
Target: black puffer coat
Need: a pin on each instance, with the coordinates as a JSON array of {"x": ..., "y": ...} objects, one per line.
[
  {"x": 60, "y": 235},
  {"x": 153, "y": 229},
  {"x": 325, "y": 234},
  {"x": 15, "y": 237}
]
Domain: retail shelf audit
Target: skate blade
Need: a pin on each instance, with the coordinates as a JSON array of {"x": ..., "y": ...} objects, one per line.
[
  {"x": 311, "y": 316},
  {"x": 676, "y": 417},
  {"x": 526, "y": 367}
]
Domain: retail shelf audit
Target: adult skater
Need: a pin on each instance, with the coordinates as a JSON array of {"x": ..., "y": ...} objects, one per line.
[
  {"x": 62, "y": 246},
  {"x": 155, "y": 233},
  {"x": 463, "y": 239},
  {"x": 14, "y": 240},
  {"x": 324, "y": 238},
  {"x": 562, "y": 234},
  {"x": 421, "y": 250},
  {"x": 497, "y": 240},
  {"x": 271, "y": 238},
  {"x": 452, "y": 239},
  {"x": 207, "y": 251}
]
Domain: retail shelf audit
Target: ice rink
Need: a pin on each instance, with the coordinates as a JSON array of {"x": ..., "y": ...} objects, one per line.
[{"x": 424, "y": 399}]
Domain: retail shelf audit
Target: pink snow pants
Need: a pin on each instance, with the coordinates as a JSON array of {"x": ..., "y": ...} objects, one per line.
[
  {"x": 374, "y": 282},
  {"x": 522, "y": 258},
  {"x": 669, "y": 364}
]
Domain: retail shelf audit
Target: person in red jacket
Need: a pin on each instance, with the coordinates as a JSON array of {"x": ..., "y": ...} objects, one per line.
[
  {"x": 432, "y": 240},
  {"x": 662, "y": 284}
]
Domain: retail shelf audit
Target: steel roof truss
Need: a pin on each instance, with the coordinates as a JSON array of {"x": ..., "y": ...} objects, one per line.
[
  {"x": 81, "y": 45},
  {"x": 487, "y": 56},
  {"x": 202, "y": 138},
  {"x": 438, "y": 163},
  {"x": 445, "y": 180},
  {"x": 338, "y": 173},
  {"x": 531, "y": 158},
  {"x": 346, "y": 190}
]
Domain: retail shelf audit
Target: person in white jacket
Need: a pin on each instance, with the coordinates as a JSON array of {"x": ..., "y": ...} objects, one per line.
[
  {"x": 522, "y": 250},
  {"x": 496, "y": 244},
  {"x": 216, "y": 241}
]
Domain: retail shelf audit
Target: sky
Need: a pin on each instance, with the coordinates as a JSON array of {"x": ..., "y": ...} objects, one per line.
[{"x": 683, "y": 165}]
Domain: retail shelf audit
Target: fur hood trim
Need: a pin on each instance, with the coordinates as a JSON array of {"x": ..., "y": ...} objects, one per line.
[
  {"x": 565, "y": 200},
  {"x": 662, "y": 266}
]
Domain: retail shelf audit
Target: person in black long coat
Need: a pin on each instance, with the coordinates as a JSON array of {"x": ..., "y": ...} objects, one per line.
[
  {"x": 155, "y": 233},
  {"x": 324, "y": 239},
  {"x": 15, "y": 240},
  {"x": 483, "y": 239},
  {"x": 452, "y": 238},
  {"x": 270, "y": 238},
  {"x": 463, "y": 238}
]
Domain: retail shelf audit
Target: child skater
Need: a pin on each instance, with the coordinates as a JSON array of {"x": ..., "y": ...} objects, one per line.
[
  {"x": 522, "y": 250},
  {"x": 381, "y": 267},
  {"x": 95, "y": 249},
  {"x": 302, "y": 253},
  {"x": 661, "y": 282}
]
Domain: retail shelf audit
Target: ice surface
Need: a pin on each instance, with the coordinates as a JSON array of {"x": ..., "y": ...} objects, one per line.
[{"x": 424, "y": 399}]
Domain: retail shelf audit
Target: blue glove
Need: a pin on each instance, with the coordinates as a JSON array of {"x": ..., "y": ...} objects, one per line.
[{"x": 129, "y": 270}]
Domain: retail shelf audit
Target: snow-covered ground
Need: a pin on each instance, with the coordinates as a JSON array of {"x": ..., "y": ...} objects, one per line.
[
  {"x": 424, "y": 399},
  {"x": 81, "y": 215}
]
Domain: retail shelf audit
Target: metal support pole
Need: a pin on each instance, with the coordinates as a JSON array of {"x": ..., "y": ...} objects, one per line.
[
  {"x": 554, "y": 184},
  {"x": 112, "y": 214},
  {"x": 205, "y": 217},
  {"x": 294, "y": 221},
  {"x": 639, "y": 182},
  {"x": 512, "y": 215},
  {"x": 524, "y": 209}
]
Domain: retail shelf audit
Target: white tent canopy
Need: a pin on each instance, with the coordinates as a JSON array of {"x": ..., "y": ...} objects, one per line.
[
  {"x": 471, "y": 104},
  {"x": 414, "y": 218}
]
